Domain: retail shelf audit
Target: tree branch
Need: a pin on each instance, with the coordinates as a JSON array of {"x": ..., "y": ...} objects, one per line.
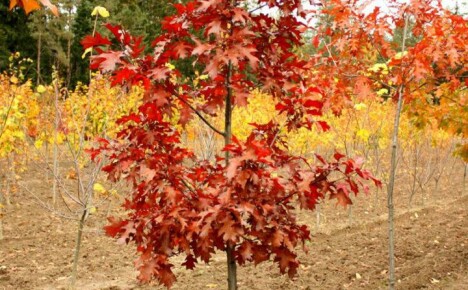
[{"x": 201, "y": 117}]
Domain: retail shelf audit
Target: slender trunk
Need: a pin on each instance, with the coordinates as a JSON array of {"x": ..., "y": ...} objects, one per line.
[
  {"x": 12, "y": 179},
  {"x": 1, "y": 224},
  {"x": 1, "y": 214},
  {"x": 69, "y": 43},
  {"x": 9, "y": 181},
  {"x": 414, "y": 174},
  {"x": 391, "y": 242},
  {"x": 76, "y": 256},
  {"x": 38, "y": 65},
  {"x": 46, "y": 157},
  {"x": 465, "y": 173},
  {"x": 436, "y": 180},
  {"x": 55, "y": 168},
  {"x": 390, "y": 204},
  {"x": 376, "y": 198},
  {"x": 231, "y": 262},
  {"x": 377, "y": 171}
]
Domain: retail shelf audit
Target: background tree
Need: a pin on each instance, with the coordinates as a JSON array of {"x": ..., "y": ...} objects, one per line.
[
  {"x": 14, "y": 34},
  {"x": 425, "y": 76}
]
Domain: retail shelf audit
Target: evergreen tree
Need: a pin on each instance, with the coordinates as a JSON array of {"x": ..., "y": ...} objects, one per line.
[
  {"x": 49, "y": 33},
  {"x": 15, "y": 35},
  {"x": 82, "y": 26}
]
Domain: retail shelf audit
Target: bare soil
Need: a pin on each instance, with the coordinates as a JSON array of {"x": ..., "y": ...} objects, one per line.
[{"x": 346, "y": 251}]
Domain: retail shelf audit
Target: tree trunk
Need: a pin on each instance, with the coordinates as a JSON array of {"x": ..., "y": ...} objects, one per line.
[
  {"x": 1, "y": 224},
  {"x": 1, "y": 215},
  {"x": 391, "y": 185},
  {"x": 76, "y": 256},
  {"x": 56, "y": 125},
  {"x": 38, "y": 65},
  {"x": 465, "y": 173},
  {"x": 231, "y": 262},
  {"x": 414, "y": 175},
  {"x": 69, "y": 44},
  {"x": 9, "y": 181}
]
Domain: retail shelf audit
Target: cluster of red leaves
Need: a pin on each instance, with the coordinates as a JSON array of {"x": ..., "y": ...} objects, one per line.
[
  {"x": 431, "y": 71},
  {"x": 183, "y": 205}
]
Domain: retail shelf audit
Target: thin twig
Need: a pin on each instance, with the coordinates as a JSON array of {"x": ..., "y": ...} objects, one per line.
[{"x": 201, "y": 117}]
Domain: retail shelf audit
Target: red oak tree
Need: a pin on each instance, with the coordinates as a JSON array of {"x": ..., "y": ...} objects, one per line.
[
  {"x": 243, "y": 202},
  {"x": 424, "y": 69}
]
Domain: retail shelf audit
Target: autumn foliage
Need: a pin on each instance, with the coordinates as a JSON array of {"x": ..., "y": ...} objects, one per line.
[
  {"x": 31, "y": 5},
  {"x": 244, "y": 200},
  {"x": 356, "y": 57}
]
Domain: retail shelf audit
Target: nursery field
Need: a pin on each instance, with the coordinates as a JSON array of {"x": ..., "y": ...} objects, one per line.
[
  {"x": 233, "y": 144},
  {"x": 344, "y": 253}
]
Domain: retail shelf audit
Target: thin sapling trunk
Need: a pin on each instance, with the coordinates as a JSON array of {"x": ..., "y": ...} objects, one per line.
[
  {"x": 391, "y": 241},
  {"x": 231, "y": 262}
]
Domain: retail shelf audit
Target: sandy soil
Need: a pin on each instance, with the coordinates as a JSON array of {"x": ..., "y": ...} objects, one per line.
[{"x": 345, "y": 253}]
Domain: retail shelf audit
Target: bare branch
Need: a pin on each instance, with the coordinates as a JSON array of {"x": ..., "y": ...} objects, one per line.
[{"x": 201, "y": 117}]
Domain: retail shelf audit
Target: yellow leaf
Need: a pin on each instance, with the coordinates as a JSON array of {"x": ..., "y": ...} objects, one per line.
[
  {"x": 41, "y": 89},
  {"x": 382, "y": 92},
  {"x": 88, "y": 50},
  {"x": 170, "y": 66},
  {"x": 360, "y": 106},
  {"x": 363, "y": 134},
  {"x": 14, "y": 80},
  {"x": 92, "y": 210},
  {"x": 97, "y": 187},
  {"x": 101, "y": 11},
  {"x": 379, "y": 67},
  {"x": 400, "y": 55}
]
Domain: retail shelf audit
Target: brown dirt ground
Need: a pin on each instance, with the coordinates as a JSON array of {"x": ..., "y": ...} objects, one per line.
[{"x": 431, "y": 248}]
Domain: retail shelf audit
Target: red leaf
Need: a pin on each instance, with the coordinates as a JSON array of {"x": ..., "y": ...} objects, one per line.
[
  {"x": 338, "y": 156},
  {"x": 147, "y": 173},
  {"x": 190, "y": 262},
  {"x": 231, "y": 170},
  {"x": 166, "y": 277},
  {"x": 106, "y": 61},
  {"x": 97, "y": 40},
  {"x": 316, "y": 41},
  {"x": 214, "y": 27},
  {"x": 341, "y": 197},
  {"x": 323, "y": 125},
  {"x": 245, "y": 251},
  {"x": 230, "y": 230},
  {"x": 313, "y": 103}
]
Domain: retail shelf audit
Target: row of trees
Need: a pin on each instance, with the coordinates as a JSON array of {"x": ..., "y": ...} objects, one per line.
[
  {"x": 242, "y": 201},
  {"x": 203, "y": 207}
]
